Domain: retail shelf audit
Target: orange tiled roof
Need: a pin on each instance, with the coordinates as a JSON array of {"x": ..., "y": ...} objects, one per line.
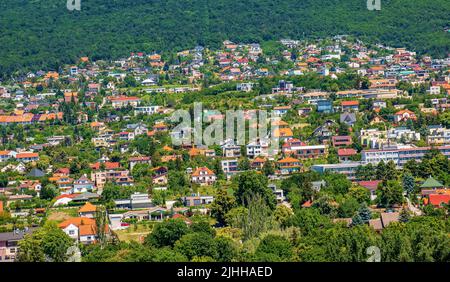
[
  {"x": 77, "y": 221},
  {"x": 88, "y": 207},
  {"x": 283, "y": 132},
  {"x": 27, "y": 155},
  {"x": 200, "y": 169},
  {"x": 349, "y": 103},
  {"x": 288, "y": 160}
]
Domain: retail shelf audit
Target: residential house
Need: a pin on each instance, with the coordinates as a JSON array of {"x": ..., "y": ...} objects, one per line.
[
  {"x": 350, "y": 106},
  {"x": 230, "y": 166},
  {"x": 88, "y": 210},
  {"x": 346, "y": 155},
  {"x": 348, "y": 169},
  {"x": 124, "y": 101},
  {"x": 82, "y": 229},
  {"x": 258, "y": 163},
  {"x": 372, "y": 186},
  {"x": 82, "y": 184},
  {"x": 230, "y": 150},
  {"x": 197, "y": 200},
  {"x": 289, "y": 165},
  {"x": 404, "y": 115},
  {"x": 281, "y": 110},
  {"x": 348, "y": 118},
  {"x": 9, "y": 243},
  {"x": 160, "y": 175},
  {"x": 203, "y": 176},
  {"x": 279, "y": 193},
  {"x": 27, "y": 157},
  {"x": 132, "y": 161},
  {"x": 120, "y": 177},
  {"x": 300, "y": 150},
  {"x": 324, "y": 106},
  {"x": 339, "y": 141},
  {"x": 438, "y": 136},
  {"x": 136, "y": 201},
  {"x": 258, "y": 148}
]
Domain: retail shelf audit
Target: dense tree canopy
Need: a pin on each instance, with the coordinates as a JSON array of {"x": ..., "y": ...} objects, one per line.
[{"x": 44, "y": 34}]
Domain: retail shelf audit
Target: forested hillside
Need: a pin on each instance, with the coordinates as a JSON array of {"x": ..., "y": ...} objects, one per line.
[{"x": 44, "y": 34}]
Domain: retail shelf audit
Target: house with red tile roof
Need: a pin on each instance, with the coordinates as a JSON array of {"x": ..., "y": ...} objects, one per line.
[
  {"x": 404, "y": 115},
  {"x": 81, "y": 229},
  {"x": 107, "y": 165},
  {"x": 88, "y": 210},
  {"x": 348, "y": 106},
  {"x": 123, "y": 101},
  {"x": 289, "y": 165},
  {"x": 345, "y": 155},
  {"x": 438, "y": 200},
  {"x": 27, "y": 157},
  {"x": 203, "y": 176},
  {"x": 5, "y": 155}
]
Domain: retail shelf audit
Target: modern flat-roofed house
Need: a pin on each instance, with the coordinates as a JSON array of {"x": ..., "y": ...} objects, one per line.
[
  {"x": 324, "y": 106},
  {"x": 338, "y": 141},
  {"x": 230, "y": 166},
  {"x": 147, "y": 110},
  {"x": 400, "y": 155},
  {"x": 197, "y": 200},
  {"x": 136, "y": 201},
  {"x": 348, "y": 169},
  {"x": 297, "y": 148},
  {"x": 123, "y": 101}
]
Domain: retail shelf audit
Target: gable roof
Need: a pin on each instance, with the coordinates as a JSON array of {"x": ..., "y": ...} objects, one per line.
[
  {"x": 347, "y": 117},
  {"x": 88, "y": 207},
  {"x": 431, "y": 183},
  {"x": 200, "y": 169},
  {"x": 77, "y": 221},
  {"x": 36, "y": 173}
]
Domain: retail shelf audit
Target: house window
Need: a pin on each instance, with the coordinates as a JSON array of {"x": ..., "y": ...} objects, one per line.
[
  {"x": 12, "y": 250},
  {"x": 71, "y": 232}
]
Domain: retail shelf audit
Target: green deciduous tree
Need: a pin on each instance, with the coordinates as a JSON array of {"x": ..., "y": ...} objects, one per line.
[
  {"x": 167, "y": 233},
  {"x": 222, "y": 204},
  {"x": 250, "y": 184}
]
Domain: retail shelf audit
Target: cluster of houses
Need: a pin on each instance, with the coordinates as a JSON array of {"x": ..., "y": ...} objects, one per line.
[{"x": 383, "y": 138}]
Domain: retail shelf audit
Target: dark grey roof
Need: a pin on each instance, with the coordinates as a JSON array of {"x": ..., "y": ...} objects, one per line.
[
  {"x": 36, "y": 173},
  {"x": 86, "y": 196},
  {"x": 348, "y": 118},
  {"x": 16, "y": 235}
]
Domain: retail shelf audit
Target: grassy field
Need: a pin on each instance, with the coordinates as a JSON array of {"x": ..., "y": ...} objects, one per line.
[
  {"x": 62, "y": 214},
  {"x": 134, "y": 233}
]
